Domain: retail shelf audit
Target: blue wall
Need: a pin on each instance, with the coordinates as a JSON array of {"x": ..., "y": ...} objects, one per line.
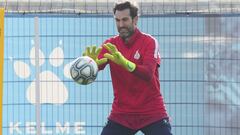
[{"x": 182, "y": 72}]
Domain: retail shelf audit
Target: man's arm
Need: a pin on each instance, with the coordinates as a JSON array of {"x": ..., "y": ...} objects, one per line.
[{"x": 151, "y": 61}]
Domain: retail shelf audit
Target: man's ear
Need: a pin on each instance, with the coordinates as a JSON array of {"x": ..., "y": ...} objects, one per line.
[{"x": 135, "y": 20}]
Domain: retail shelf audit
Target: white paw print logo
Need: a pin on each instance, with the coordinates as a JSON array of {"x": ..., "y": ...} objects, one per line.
[{"x": 52, "y": 89}]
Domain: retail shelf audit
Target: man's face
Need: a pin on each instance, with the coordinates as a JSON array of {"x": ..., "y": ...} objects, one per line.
[{"x": 125, "y": 23}]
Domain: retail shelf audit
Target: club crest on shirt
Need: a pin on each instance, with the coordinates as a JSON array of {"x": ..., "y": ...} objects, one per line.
[{"x": 137, "y": 55}]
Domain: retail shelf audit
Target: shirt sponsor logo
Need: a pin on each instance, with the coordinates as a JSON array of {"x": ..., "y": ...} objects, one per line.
[{"x": 137, "y": 55}]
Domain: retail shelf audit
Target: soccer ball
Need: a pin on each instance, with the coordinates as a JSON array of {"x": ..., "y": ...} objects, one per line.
[{"x": 84, "y": 70}]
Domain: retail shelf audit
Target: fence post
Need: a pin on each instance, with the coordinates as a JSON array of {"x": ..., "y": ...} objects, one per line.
[{"x": 1, "y": 64}]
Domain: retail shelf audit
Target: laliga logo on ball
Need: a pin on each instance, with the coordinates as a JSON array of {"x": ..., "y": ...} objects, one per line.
[{"x": 84, "y": 70}]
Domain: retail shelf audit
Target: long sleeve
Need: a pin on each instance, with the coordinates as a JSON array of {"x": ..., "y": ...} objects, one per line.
[{"x": 151, "y": 61}]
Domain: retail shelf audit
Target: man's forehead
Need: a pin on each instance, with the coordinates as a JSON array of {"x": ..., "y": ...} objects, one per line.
[{"x": 122, "y": 13}]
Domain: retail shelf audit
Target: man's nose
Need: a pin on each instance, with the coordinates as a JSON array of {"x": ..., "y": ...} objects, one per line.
[{"x": 121, "y": 24}]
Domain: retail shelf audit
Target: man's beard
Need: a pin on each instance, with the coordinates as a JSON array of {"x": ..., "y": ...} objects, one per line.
[{"x": 125, "y": 32}]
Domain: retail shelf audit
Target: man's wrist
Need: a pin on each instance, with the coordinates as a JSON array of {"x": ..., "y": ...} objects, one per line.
[{"x": 130, "y": 66}]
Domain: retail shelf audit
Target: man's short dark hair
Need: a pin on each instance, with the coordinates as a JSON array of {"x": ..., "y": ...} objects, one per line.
[{"x": 126, "y": 5}]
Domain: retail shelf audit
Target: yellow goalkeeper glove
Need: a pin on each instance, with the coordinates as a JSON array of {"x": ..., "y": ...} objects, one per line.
[
  {"x": 118, "y": 58},
  {"x": 93, "y": 53}
]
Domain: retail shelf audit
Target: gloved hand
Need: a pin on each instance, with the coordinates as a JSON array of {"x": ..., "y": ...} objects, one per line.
[
  {"x": 93, "y": 53},
  {"x": 118, "y": 58}
]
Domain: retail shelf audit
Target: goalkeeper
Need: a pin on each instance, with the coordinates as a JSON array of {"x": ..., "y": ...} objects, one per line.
[{"x": 134, "y": 60}]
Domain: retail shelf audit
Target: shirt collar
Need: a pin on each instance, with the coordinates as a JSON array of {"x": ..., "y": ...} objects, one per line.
[{"x": 133, "y": 38}]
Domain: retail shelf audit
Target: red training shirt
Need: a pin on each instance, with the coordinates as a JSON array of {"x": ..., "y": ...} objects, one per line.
[{"x": 137, "y": 98}]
